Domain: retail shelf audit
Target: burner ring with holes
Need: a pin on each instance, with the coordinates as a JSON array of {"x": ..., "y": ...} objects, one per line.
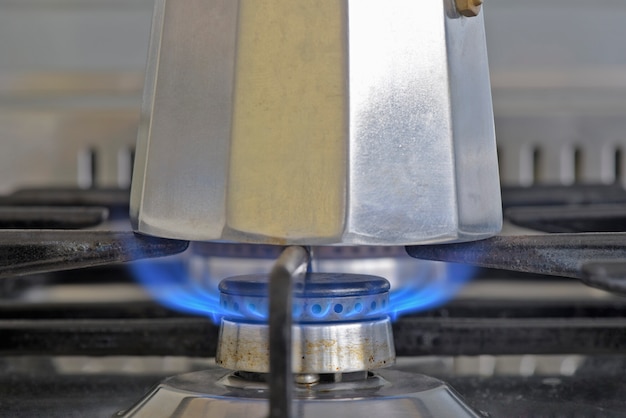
[{"x": 324, "y": 297}]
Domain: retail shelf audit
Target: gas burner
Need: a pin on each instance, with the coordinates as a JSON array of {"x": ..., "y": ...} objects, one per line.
[
  {"x": 340, "y": 325},
  {"x": 340, "y": 335}
]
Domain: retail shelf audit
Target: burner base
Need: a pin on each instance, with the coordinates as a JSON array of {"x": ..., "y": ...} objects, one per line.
[
  {"x": 317, "y": 348},
  {"x": 390, "y": 393}
]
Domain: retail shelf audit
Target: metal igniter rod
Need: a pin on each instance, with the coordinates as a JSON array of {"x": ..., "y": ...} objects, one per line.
[{"x": 290, "y": 267}]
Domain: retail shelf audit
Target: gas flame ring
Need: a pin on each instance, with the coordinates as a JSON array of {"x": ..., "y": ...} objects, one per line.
[{"x": 323, "y": 297}]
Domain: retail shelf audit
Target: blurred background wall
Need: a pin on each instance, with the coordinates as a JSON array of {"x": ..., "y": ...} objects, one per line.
[{"x": 71, "y": 75}]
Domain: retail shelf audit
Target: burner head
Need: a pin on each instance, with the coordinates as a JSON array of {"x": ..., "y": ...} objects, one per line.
[
  {"x": 340, "y": 325},
  {"x": 323, "y": 297}
]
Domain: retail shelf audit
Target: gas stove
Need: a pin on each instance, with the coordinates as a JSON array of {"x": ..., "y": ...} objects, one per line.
[{"x": 97, "y": 320}]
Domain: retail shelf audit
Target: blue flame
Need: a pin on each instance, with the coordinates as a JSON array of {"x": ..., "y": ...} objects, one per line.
[
  {"x": 171, "y": 284},
  {"x": 427, "y": 293}
]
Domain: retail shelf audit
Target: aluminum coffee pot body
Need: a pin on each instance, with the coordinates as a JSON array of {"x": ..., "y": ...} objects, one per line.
[{"x": 349, "y": 122}]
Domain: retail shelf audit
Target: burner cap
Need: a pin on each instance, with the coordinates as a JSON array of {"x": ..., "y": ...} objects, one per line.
[{"x": 323, "y": 297}]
